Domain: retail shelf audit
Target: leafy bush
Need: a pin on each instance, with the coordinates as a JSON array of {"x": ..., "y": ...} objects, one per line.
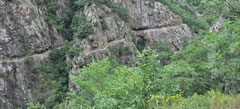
[{"x": 211, "y": 100}]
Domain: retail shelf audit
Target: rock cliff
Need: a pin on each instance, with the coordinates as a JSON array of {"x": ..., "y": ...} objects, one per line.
[
  {"x": 149, "y": 22},
  {"x": 26, "y": 39}
]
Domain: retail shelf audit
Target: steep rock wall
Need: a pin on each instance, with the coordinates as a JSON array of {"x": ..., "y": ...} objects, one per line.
[
  {"x": 149, "y": 22},
  {"x": 25, "y": 40}
]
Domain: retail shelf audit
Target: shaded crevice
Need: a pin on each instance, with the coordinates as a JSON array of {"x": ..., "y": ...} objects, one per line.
[{"x": 152, "y": 28}]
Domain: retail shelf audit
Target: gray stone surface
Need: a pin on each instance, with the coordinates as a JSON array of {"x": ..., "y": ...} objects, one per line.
[
  {"x": 149, "y": 21},
  {"x": 24, "y": 34}
]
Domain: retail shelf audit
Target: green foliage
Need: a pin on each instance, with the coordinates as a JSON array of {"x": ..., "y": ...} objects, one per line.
[
  {"x": 52, "y": 8},
  {"x": 185, "y": 41},
  {"x": 178, "y": 77},
  {"x": 73, "y": 51},
  {"x": 37, "y": 106},
  {"x": 160, "y": 80},
  {"x": 120, "y": 51},
  {"x": 210, "y": 100},
  {"x": 39, "y": 2},
  {"x": 210, "y": 10},
  {"x": 216, "y": 58},
  {"x": 64, "y": 23},
  {"x": 164, "y": 52},
  {"x": 51, "y": 13},
  {"x": 50, "y": 17},
  {"x": 195, "y": 24},
  {"x": 104, "y": 86},
  {"x": 209, "y": 62},
  {"x": 28, "y": 60},
  {"x": 2, "y": 75},
  {"x": 122, "y": 12},
  {"x": 103, "y": 25},
  {"x": 80, "y": 26},
  {"x": 76, "y": 25},
  {"x": 152, "y": 73},
  {"x": 115, "y": 7},
  {"x": 140, "y": 44},
  {"x": 55, "y": 76}
]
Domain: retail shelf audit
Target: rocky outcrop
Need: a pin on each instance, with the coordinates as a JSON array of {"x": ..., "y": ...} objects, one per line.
[
  {"x": 25, "y": 40},
  {"x": 152, "y": 21},
  {"x": 149, "y": 22},
  {"x": 217, "y": 25}
]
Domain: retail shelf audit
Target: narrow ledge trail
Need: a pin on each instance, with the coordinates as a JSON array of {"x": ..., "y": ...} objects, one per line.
[{"x": 35, "y": 56}]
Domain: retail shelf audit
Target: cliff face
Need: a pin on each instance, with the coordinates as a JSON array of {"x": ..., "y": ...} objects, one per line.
[
  {"x": 152, "y": 21},
  {"x": 26, "y": 39},
  {"x": 149, "y": 22}
]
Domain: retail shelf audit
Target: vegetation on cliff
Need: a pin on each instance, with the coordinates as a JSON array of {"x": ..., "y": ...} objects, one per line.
[{"x": 205, "y": 74}]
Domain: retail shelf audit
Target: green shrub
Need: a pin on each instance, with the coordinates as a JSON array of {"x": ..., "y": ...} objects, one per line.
[
  {"x": 115, "y": 7},
  {"x": 52, "y": 8},
  {"x": 211, "y": 100},
  {"x": 76, "y": 25},
  {"x": 164, "y": 53},
  {"x": 51, "y": 13},
  {"x": 64, "y": 23},
  {"x": 39, "y": 2},
  {"x": 103, "y": 25},
  {"x": 2, "y": 75},
  {"x": 121, "y": 11},
  {"x": 55, "y": 77},
  {"x": 140, "y": 44},
  {"x": 37, "y": 106},
  {"x": 119, "y": 51},
  {"x": 28, "y": 60},
  {"x": 80, "y": 26},
  {"x": 73, "y": 51},
  {"x": 179, "y": 77}
]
